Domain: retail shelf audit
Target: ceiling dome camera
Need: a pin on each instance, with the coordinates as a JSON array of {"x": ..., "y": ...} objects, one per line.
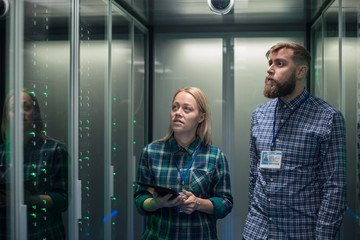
[
  {"x": 221, "y": 6},
  {"x": 4, "y": 7}
]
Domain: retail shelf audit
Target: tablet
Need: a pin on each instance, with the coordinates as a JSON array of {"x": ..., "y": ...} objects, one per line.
[{"x": 160, "y": 190}]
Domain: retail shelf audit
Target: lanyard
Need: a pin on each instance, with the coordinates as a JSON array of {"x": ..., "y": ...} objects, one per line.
[
  {"x": 292, "y": 112},
  {"x": 187, "y": 170}
]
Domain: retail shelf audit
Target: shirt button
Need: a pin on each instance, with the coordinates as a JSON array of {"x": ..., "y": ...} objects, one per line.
[
  {"x": 270, "y": 219},
  {"x": 269, "y": 199},
  {"x": 284, "y": 106},
  {"x": 282, "y": 120},
  {"x": 271, "y": 179}
]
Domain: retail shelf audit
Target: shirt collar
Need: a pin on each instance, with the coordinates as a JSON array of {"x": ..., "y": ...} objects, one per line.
[
  {"x": 295, "y": 102},
  {"x": 190, "y": 149}
]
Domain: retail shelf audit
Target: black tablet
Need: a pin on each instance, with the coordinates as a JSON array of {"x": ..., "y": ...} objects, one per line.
[{"x": 160, "y": 190}]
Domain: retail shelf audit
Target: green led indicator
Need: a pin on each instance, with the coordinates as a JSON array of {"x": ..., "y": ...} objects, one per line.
[
  {"x": 87, "y": 188},
  {"x": 114, "y": 148},
  {"x": 134, "y": 121},
  {"x": 45, "y": 93},
  {"x": 114, "y": 98},
  {"x": 114, "y": 174},
  {"x": 113, "y": 198},
  {"x": 33, "y": 165},
  {"x": 32, "y": 133},
  {"x": 86, "y": 158},
  {"x": 80, "y": 160},
  {"x": 134, "y": 142},
  {"x": 33, "y": 214},
  {"x": 80, "y": 222},
  {"x": 43, "y": 209},
  {"x": 32, "y": 92},
  {"x": 86, "y": 218},
  {"x": 43, "y": 169},
  {"x": 113, "y": 223},
  {"x": 33, "y": 174},
  {"x": 114, "y": 124}
]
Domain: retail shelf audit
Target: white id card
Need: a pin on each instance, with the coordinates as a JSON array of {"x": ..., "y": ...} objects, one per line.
[{"x": 271, "y": 159}]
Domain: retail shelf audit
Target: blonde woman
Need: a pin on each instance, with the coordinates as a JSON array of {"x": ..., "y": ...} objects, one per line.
[{"x": 185, "y": 161}]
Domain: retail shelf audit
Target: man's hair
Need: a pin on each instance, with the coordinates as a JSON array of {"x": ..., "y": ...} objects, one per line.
[
  {"x": 204, "y": 128},
  {"x": 300, "y": 56}
]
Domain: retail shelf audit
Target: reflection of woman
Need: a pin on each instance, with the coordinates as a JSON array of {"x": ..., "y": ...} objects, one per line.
[
  {"x": 186, "y": 161},
  {"x": 45, "y": 174}
]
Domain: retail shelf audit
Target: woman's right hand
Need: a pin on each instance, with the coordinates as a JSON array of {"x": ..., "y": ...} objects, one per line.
[{"x": 157, "y": 202}]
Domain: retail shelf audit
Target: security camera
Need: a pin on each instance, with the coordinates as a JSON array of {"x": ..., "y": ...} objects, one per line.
[
  {"x": 4, "y": 7},
  {"x": 221, "y": 7}
]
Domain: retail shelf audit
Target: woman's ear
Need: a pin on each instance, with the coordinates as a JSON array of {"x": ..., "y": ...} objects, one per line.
[
  {"x": 301, "y": 71},
  {"x": 202, "y": 117}
]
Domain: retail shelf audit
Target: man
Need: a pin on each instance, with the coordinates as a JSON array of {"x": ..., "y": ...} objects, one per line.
[{"x": 297, "y": 180}]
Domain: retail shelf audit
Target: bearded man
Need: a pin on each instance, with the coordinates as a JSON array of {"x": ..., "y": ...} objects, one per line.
[{"x": 297, "y": 179}]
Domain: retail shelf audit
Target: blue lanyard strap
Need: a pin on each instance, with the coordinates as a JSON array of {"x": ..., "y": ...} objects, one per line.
[
  {"x": 292, "y": 112},
  {"x": 187, "y": 170}
]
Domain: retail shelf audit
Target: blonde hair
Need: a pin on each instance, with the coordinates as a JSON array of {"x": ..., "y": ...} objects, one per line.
[{"x": 203, "y": 130}]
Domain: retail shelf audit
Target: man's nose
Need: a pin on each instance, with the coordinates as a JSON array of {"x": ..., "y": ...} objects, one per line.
[{"x": 270, "y": 70}]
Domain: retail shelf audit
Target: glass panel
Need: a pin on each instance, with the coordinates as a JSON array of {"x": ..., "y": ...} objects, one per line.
[
  {"x": 250, "y": 70},
  {"x": 121, "y": 128},
  {"x": 317, "y": 60},
  {"x": 139, "y": 117},
  {"x": 46, "y": 55},
  {"x": 351, "y": 83},
  {"x": 92, "y": 109},
  {"x": 331, "y": 56}
]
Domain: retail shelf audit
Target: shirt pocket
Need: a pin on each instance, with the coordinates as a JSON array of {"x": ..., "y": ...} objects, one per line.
[{"x": 200, "y": 182}]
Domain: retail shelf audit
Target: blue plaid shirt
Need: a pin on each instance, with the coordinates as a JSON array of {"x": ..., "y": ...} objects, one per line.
[{"x": 305, "y": 198}]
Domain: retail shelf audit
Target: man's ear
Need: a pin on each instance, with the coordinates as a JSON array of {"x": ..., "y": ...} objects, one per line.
[{"x": 301, "y": 71}]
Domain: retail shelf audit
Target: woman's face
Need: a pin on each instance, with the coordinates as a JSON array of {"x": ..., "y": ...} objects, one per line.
[
  {"x": 185, "y": 115},
  {"x": 28, "y": 111}
]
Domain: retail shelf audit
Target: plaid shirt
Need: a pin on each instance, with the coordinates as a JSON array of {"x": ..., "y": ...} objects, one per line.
[
  {"x": 305, "y": 198},
  {"x": 208, "y": 178},
  {"x": 45, "y": 173}
]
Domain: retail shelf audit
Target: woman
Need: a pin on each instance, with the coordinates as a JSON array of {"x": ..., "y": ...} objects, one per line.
[
  {"x": 45, "y": 174},
  {"x": 185, "y": 161}
]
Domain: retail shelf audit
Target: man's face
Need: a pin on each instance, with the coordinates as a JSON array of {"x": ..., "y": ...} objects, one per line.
[{"x": 281, "y": 78}]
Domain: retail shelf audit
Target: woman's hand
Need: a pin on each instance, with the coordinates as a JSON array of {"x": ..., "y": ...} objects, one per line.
[
  {"x": 157, "y": 202},
  {"x": 193, "y": 203}
]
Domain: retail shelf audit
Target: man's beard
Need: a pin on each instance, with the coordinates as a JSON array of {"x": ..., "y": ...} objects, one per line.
[{"x": 277, "y": 89}]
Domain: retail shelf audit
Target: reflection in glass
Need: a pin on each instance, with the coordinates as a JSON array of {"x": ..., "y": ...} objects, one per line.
[{"x": 45, "y": 173}]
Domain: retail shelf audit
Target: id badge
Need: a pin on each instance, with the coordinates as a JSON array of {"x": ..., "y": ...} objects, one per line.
[{"x": 271, "y": 159}]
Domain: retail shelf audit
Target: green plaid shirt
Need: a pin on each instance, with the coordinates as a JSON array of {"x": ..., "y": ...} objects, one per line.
[
  {"x": 208, "y": 178},
  {"x": 45, "y": 172}
]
